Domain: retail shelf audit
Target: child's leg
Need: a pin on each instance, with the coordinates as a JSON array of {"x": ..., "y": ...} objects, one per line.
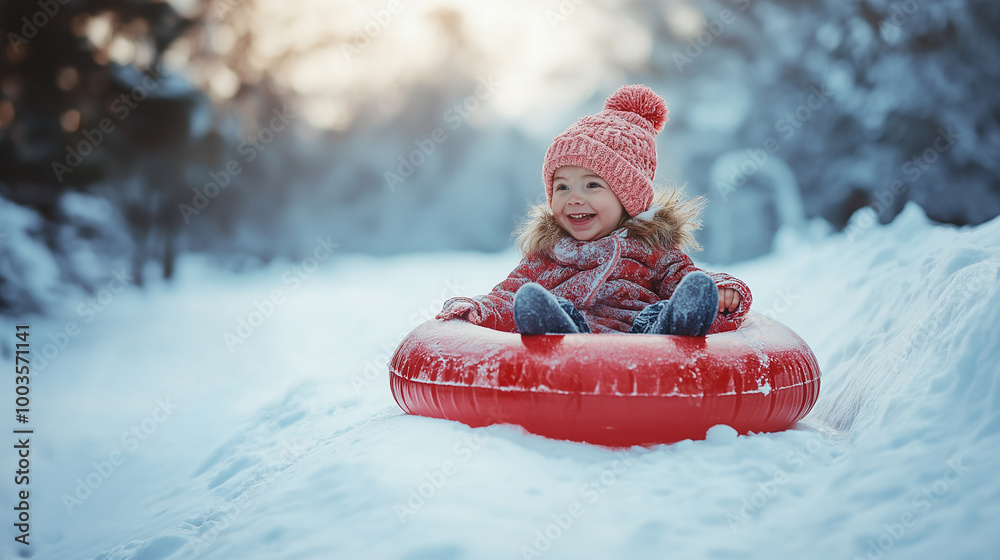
[
  {"x": 574, "y": 314},
  {"x": 645, "y": 319},
  {"x": 536, "y": 311},
  {"x": 690, "y": 311}
]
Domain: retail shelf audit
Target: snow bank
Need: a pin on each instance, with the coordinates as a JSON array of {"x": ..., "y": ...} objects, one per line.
[{"x": 288, "y": 445}]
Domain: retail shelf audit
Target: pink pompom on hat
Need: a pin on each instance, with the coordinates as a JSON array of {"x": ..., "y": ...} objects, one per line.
[{"x": 619, "y": 144}]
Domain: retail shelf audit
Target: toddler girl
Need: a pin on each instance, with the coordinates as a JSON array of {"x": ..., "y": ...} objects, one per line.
[{"x": 605, "y": 255}]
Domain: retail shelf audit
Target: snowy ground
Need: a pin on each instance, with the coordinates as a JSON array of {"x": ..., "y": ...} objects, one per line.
[{"x": 155, "y": 440}]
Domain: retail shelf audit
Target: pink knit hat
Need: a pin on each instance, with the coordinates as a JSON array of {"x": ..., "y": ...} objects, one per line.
[{"x": 619, "y": 144}]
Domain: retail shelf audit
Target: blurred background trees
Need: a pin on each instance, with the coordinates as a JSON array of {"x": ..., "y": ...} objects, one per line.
[{"x": 136, "y": 131}]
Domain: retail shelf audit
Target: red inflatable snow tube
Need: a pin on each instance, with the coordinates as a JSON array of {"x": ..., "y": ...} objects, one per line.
[{"x": 608, "y": 389}]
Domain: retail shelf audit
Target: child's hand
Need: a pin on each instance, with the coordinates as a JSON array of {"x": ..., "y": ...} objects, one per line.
[
  {"x": 729, "y": 300},
  {"x": 459, "y": 309}
]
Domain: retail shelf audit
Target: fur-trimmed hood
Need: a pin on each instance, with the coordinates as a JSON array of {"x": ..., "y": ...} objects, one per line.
[{"x": 669, "y": 223}]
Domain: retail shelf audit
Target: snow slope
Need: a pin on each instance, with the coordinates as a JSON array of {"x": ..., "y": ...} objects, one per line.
[{"x": 289, "y": 445}]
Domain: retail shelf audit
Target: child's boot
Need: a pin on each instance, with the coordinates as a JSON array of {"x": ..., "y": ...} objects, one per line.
[
  {"x": 691, "y": 309},
  {"x": 574, "y": 314},
  {"x": 536, "y": 311}
]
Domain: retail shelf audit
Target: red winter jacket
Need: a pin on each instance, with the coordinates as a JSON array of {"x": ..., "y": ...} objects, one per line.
[{"x": 610, "y": 280}]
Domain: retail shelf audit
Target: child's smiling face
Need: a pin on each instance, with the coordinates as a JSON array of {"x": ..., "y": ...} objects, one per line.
[{"x": 584, "y": 204}]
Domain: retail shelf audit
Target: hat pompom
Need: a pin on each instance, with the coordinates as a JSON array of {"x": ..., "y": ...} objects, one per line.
[{"x": 642, "y": 101}]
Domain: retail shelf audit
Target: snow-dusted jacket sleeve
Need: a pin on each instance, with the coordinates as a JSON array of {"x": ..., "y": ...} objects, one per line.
[
  {"x": 495, "y": 310},
  {"x": 683, "y": 266}
]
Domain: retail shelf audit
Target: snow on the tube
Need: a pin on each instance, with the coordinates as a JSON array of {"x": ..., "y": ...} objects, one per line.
[{"x": 608, "y": 389}]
